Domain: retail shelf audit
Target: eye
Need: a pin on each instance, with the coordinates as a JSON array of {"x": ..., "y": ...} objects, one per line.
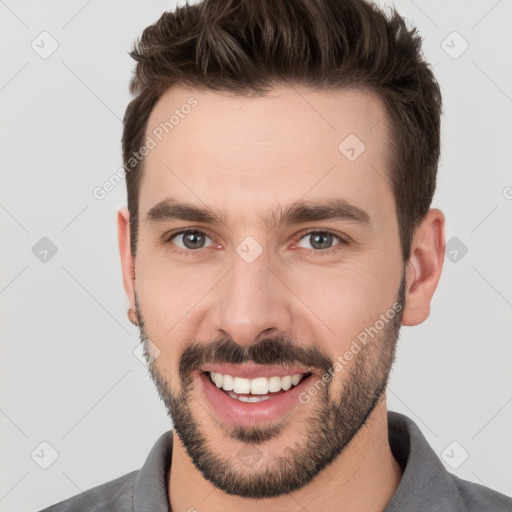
[
  {"x": 322, "y": 241},
  {"x": 191, "y": 239}
]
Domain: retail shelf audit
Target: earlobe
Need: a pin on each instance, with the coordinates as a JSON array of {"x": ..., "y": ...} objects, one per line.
[
  {"x": 127, "y": 264},
  {"x": 424, "y": 267}
]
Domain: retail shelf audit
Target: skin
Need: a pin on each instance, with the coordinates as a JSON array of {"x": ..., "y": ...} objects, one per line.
[{"x": 244, "y": 156}]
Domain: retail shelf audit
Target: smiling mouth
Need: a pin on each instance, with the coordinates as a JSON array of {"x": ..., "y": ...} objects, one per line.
[{"x": 257, "y": 389}]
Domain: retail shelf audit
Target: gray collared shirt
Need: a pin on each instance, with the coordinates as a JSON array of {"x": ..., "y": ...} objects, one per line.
[{"x": 426, "y": 485}]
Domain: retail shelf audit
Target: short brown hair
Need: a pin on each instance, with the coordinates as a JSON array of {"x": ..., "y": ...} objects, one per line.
[{"x": 249, "y": 46}]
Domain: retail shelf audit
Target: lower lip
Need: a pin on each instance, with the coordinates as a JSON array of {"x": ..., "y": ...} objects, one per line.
[{"x": 233, "y": 411}]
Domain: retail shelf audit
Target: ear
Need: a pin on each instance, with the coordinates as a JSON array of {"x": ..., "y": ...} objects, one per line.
[
  {"x": 127, "y": 263},
  {"x": 424, "y": 266}
]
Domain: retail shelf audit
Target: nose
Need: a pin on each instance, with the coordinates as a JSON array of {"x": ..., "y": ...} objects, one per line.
[{"x": 252, "y": 302}]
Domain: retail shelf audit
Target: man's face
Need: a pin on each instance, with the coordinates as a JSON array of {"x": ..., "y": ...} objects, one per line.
[{"x": 267, "y": 299}]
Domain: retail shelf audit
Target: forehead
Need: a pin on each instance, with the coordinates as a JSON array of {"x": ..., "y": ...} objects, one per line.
[{"x": 242, "y": 154}]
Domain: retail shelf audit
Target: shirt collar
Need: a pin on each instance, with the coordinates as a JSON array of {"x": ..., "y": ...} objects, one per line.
[
  {"x": 425, "y": 480},
  {"x": 150, "y": 492}
]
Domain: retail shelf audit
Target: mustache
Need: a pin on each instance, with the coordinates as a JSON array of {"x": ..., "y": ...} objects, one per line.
[{"x": 276, "y": 350}]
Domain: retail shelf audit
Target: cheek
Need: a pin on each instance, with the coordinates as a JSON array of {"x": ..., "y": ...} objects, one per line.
[
  {"x": 343, "y": 301},
  {"x": 168, "y": 290},
  {"x": 162, "y": 308}
]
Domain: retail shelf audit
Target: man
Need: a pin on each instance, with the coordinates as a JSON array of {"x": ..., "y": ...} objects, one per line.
[{"x": 281, "y": 159}]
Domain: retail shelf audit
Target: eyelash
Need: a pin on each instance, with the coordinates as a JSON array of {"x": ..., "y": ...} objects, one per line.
[{"x": 318, "y": 252}]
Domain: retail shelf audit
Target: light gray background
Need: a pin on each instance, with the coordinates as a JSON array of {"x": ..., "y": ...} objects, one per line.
[{"x": 68, "y": 372}]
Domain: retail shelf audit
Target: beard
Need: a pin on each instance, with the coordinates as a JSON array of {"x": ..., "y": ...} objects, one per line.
[{"x": 329, "y": 427}]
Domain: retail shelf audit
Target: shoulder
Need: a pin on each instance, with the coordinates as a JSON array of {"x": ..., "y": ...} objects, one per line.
[
  {"x": 145, "y": 488},
  {"x": 477, "y": 498},
  {"x": 426, "y": 483},
  {"x": 114, "y": 496}
]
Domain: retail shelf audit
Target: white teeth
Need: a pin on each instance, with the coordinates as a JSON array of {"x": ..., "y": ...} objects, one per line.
[
  {"x": 227, "y": 382},
  {"x": 241, "y": 385},
  {"x": 274, "y": 384},
  {"x": 248, "y": 398},
  {"x": 286, "y": 382},
  {"x": 257, "y": 386}
]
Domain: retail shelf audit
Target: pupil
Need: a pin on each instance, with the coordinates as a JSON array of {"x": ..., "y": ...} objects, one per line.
[
  {"x": 327, "y": 240},
  {"x": 193, "y": 240}
]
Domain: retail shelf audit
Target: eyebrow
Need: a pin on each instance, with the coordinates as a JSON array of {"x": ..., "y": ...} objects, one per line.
[{"x": 301, "y": 211}]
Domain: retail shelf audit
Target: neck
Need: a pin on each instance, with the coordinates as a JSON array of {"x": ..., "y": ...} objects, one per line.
[{"x": 363, "y": 477}]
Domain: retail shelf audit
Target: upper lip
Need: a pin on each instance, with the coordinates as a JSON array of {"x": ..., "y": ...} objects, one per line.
[{"x": 252, "y": 371}]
